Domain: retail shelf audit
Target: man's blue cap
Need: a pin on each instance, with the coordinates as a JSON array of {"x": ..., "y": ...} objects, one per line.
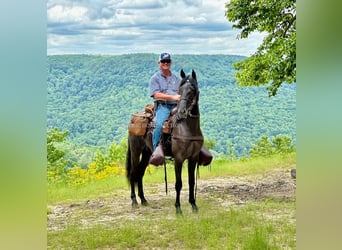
[{"x": 164, "y": 56}]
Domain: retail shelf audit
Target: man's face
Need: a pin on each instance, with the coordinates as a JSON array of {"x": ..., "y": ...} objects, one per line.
[{"x": 165, "y": 64}]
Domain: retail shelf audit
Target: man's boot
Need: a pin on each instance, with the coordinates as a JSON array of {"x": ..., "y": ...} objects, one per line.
[
  {"x": 205, "y": 157},
  {"x": 157, "y": 158}
]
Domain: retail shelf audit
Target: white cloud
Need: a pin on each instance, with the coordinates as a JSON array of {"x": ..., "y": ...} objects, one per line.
[
  {"x": 63, "y": 14},
  {"x": 141, "y": 4},
  {"x": 113, "y": 32},
  {"x": 129, "y": 26},
  {"x": 215, "y": 41}
]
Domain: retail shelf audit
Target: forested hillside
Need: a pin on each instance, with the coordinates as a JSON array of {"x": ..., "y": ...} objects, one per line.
[{"x": 93, "y": 97}]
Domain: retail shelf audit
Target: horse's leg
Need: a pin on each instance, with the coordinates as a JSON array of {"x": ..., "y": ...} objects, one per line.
[
  {"x": 140, "y": 186},
  {"x": 133, "y": 179},
  {"x": 178, "y": 185},
  {"x": 141, "y": 172},
  {"x": 191, "y": 179},
  {"x": 133, "y": 196}
]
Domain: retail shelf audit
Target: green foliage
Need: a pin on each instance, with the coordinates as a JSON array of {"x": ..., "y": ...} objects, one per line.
[
  {"x": 209, "y": 143},
  {"x": 101, "y": 161},
  {"x": 262, "y": 148},
  {"x": 230, "y": 150},
  {"x": 282, "y": 144},
  {"x": 93, "y": 97},
  {"x": 116, "y": 153},
  {"x": 279, "y": 145},
  {"x": 55, "y": 156},
  {"x": 80, "y": 154},
  {"x": 274, "y": 62}
]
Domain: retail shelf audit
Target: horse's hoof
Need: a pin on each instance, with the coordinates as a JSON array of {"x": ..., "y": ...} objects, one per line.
[
  {"x": 134, "y": 202},
  {"x": 179, "y": 211},
  {"x": 194, "y": 208},
  {"x": 144, "y": 203}
]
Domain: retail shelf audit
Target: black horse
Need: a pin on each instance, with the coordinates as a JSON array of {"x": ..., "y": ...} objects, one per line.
[{"x": 186, "y": 144}]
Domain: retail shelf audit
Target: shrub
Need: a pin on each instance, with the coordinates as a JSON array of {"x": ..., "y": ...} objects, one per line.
[{"x": 281, "y": 144}]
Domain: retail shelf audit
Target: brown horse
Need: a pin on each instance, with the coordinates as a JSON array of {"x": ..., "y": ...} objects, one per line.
[
  {"x": 187, "y": 141},
  {"x": 187, "y": 138}
]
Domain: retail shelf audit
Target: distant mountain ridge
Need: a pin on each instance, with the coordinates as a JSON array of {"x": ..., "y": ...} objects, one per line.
[{"x": 93, "y": 97}]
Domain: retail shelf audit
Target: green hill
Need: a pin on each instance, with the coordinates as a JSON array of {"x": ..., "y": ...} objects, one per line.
[{"x": 93, "y": 97}]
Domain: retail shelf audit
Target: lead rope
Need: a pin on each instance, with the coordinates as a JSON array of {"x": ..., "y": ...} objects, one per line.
[
  {"x": 165, "y": 174},
  {"x": 197, "y": 175}
]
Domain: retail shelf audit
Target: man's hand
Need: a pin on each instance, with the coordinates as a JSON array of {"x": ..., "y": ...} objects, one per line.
[{"x": 177, "y": 98}]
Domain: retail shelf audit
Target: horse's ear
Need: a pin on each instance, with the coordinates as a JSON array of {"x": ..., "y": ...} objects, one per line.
[
  {"x": 182, "y": 74},
  {"x": 193, "y": 74}
]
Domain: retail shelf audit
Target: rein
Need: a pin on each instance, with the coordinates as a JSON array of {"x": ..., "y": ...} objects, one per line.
[
  {"x": 196, "y": 180},
  {"x": 188, "y": 112},
  {"x": 165, "y": 176}
]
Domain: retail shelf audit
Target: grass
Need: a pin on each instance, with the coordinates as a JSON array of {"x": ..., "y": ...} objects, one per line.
[
  {"x": 235, "y": 228},
  {"x": 61, "y": 193},
  {"x": 267, "y": 224}
]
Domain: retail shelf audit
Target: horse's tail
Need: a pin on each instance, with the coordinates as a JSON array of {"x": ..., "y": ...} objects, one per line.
[{"x": 128, "y": 161}]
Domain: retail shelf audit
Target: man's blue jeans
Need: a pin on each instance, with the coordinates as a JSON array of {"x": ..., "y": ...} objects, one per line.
[{"x": 162, "y": 113}]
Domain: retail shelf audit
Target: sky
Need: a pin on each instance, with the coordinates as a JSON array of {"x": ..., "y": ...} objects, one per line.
[{"x": 114, "y": 27}]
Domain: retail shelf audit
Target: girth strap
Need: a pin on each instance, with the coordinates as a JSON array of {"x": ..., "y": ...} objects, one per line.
[{"x": 188, "y": 138}]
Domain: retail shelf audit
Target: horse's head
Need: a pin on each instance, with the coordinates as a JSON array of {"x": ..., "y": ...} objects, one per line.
[{"x": 188, "y": 89}]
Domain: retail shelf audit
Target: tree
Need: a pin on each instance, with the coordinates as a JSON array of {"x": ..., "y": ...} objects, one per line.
[
  {"x": 262, "y": 148},
  {"x": 55, "y": 156},
  {"x": 274, "y": 62},
  {"x": 283, "y": 144},
  {"x": 117, "y": 152}
]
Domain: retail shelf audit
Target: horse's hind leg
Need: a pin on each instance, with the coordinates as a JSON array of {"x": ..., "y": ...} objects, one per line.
[
  {"x": 191, "y": 175},
  {"x": 132, "y": 179},
  {"x": 141, "y": 190},
  {"x": 141, "y": 172}
]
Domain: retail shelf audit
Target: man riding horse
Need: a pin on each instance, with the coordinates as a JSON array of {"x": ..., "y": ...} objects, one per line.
[
  {"x": 164, "y": 90},
  {"x": 186, "y": 141}
]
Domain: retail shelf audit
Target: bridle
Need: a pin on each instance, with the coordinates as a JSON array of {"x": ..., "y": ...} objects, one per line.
[
  {"x": 188, "y": 110},
  {"x": 193, "y": 103}
]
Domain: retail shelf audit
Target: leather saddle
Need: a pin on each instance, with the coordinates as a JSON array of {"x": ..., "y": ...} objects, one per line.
[{"x": 164, "y": 148}]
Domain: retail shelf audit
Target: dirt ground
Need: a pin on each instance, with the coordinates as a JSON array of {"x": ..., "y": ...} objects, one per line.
[{"x": 228, "y": 192}]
